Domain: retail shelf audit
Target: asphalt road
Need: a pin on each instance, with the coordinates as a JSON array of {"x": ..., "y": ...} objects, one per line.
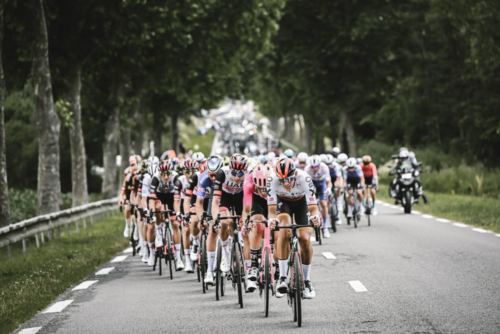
[{"x": 420, "y": 275}]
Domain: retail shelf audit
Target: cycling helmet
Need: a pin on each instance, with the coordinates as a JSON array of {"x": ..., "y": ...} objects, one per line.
[
  {"x": 403, "y": 149},
  {"x": 302, "y": 157},
  {"x": 174, "y": 161},
  {"x": 202, "y": 166},
  {"x": 165, "y": 166},
  {"x": 264, "y": 159},
  {"x": 198, "y": 157},
  {"x": 271, "y": 155},
  {"x": 288, "y": 153},
  {"x": 143, "y": 166},
  {"x": 367, "y": 159},
  {"x": 138, "y": 159},
  {"x": 285, "y": 168},
  {"x": 153, "y": 165},
  {"x": 214, "y": 163},
  {"x": 260, "y": 175},
  {"x": 342, "y": 157},
  {"x": 314, "y": 160},
  {"x": 190, "y": 164},
  {"x": 336, "y": 151},
  {"x": 359, "y": 160},
  {"x": 329, "y": 159},
  {"x": 132, "y": 161},
  {"x": 404, "y": 154},
  {"x": 322, "y": 157},
  {"x": 238, "y": 162},
  {"x": 351, "y": 162}
]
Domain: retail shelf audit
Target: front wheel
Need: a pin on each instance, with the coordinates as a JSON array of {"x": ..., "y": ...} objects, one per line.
[
  {"x": 267, "y": 282},
  {"x": 218, "y": 275},
  {"x": 202, "y": 261},
  {"x": 297, "y": 282},
  {"x": 237, "y": 273},
  {"x": 407, "y": 202}
]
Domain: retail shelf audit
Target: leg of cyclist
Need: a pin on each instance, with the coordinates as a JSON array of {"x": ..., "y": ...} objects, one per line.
[
  {"x": 350, "y": 201},
  {"x": 195, "y": 232},
  {"x": 211, "y": 249},
  {"x": 283, "y": 252},
  {"x": 306, "y": 253},
  {"x": 126, "y": 213},
  {"x": 255, "y": 245},
  {"x": 177, "y": 242},
  {"x": 225, "y": 232}
]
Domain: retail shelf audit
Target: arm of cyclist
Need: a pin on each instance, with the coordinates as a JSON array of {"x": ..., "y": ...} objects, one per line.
[
  {"x": 177, "y": 198},
  {"x": 272, "y": 201},
  {"x": 312, "y": 203},
  {"x": 220, "y": 177},
  {"x": 248, "y": 188}
]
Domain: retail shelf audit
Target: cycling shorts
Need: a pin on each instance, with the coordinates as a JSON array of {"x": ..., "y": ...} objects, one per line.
[
  {"x": 321, "y": 190},
  {"x": 259, "y": 205},
  {"x": 232, "y": 201},
  {"x": 297, "y": 210},
  {"x": 354, "y": 183},
  {"x": 166, "y": 199},
  {"x": 369, "y": 181}
]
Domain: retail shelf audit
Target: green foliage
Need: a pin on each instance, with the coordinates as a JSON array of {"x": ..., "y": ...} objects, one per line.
[{"x": 31, "y": 282}]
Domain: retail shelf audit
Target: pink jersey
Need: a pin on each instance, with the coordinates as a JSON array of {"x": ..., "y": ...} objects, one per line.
[{"x": 249, "y": 190}]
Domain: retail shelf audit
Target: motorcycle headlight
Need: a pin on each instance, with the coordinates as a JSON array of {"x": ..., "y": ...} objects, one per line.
[{"x": 417, "y": 172}]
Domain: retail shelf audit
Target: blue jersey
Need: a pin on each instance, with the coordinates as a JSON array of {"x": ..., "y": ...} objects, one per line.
[{"x": 204, "y": 185}]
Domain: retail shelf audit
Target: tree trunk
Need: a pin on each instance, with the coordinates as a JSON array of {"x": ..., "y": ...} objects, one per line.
[
  {"x": 111, "y": 138},
  {"x": 158, "y": 124},
  {"x": 4, "y": 189},
  {"x": 309, "y": 133},
  {"x": 125, "y": 148},
  {"x": 320, "y": 143},
  {"x": 345, "y": 127},
  {"x": 140, "y": 117},
  {"x": 49, "y": 184},
  {"x": 78, "y": 159},
  {"x": 174, "y": 135},
  {"x": 332, "y": 134}
]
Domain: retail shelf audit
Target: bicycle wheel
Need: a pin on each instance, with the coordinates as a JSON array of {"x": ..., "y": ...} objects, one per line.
[
  {"x": 318, "y": 234},
  {"x": 369, "y": 210},
  {"x": 202, "y": 260},
  {"x": 168, "y": 254},
  {"x": 218, "y": 276},
  {"x": 237, "y": 273},
  {"x": 355, "y": 217},
  {"x": 267, "y": 282},
  {"x": 159, "y": 255},
  {"x": 333, "y": 217},
  {"x": 298, "y": 290}
]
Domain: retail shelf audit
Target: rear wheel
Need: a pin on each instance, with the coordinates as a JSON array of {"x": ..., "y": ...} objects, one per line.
[
  {"x": 169, "y": 256},
  {"x": 333, "y": 217},
  {"x": 202, "y": 261},
  {"x": 237, "y": 273},
  {"x": 218, "y": 276}
]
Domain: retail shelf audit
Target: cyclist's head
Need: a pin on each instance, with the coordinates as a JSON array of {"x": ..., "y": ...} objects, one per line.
[
  {"x": 335, "y": 151},
  {"x": 286, "y": 172},
  {"x": 198, "y": 157},
  {"x": 329, "y": 159},
  {"x": 322, "y": 158},
  {"x": 260, "y": 175},
  {"x": 302, "y": 157},
  {"x": 315, "y": 161},
  {"x": 153, "y": 163},
  {"x": 403, "y": 155},
  {"x": 202, "y": 166},
  {"x": 342, "y": 158},
  {"x": 288, "y": 153},
  {"x": 166, "y": 168},
  {"x": 367, "y": 159},
  {"x": 264, "y": 159},
  {"x": 190, "y": 166},
  {"x": 214, "y": 163},
  {"x": 351, "y": 163},
  {"x": 238, "y": 166},
  {"x": 132, "y": 161}
]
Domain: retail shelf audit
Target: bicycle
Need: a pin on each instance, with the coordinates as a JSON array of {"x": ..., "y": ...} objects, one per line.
[
  {"x": 333, "y": 210},
  {"x": 203, "y": 257},
  {"x": 167, "y": 250},
  {"x": 236, "y": 270},
  {"x": 265, "y": 271},
  {"x": 355, "y": 213},
  {"x": 368, "y": 203},
  {"x": 296, "y": 283},
  {"x": 317, "y": 229}
]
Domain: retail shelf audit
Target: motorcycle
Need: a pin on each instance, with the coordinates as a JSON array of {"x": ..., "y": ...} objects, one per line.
[{"x": 406, "y": 186}]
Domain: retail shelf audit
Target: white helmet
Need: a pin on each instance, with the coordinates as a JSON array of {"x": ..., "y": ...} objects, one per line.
[
  {"x": 302, "y": 157},
  {"x": 411, "y": 155},
  {"x": 322, "y": 157},
  {"x": 289, "y": 153},
  {"x": 329, "y": 159},
  {"x": 271, "y": 155},
  {"x": 336, "y": 150},
  {"x": 198, "y": 156},
  {"x": 351, "y": 162},
  {"x": 214, "y": 163},
  {"x": 359, "y": 160},
  {"x": 404, "y": 154},
  {"x": 314, "y": 160},
  {"x": 153, "y": 163},
  {"x": 342, "y": 157}
]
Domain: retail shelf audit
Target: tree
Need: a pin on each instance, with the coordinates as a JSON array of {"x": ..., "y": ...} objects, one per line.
[
  {"x": 4, "y": 189},
  {"x": 49, "y": 186}
]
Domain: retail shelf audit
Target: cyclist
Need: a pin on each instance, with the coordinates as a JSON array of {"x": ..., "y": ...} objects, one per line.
[
  {"x": 371, "y": 179},
  {"x": 153, "y": 163},
  {"x": 188, "y": 167},
  {"x": 126, "y": 192},
  {"x": 336, "y": 176},
  {"x": 342, "y": 160},
  {"x": 302, "y": 160},
  {"x": 255, "y": 205},
  {"x": 354, "y": 180},
  {"x": 143, "y": 243},
  {"x": 227, "y": 194},
  {"x": 291, "y": 196},
  {"x": 320, "y": 175},
  {"x": 205, "y": 185},
  {"x": 335, "y": 152},
  {"x": 164, "y": 194},
  {"x": 289, "y": 153}
]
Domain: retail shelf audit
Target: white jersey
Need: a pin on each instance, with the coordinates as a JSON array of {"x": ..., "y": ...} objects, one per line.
[
  {"x": 146, "y": 183},
  {"x": 185, "y": 185},
  {"x": 303, "y": 187},
  {"x": 321, "y": 174},
  {"x": 224, "y": 182}
]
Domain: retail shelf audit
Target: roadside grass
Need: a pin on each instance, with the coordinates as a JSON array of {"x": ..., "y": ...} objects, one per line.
[
  {"x": 31, "y": 282},
  {"x": 476, "y": 211},
  {"x": 190, "y": 138}
]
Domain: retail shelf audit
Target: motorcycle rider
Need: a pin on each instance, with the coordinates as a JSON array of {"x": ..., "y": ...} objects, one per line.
[{"x": 404, "y": 159}]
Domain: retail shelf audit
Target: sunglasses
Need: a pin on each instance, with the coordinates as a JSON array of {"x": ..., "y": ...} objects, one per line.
[
  {"x": 261, "y": 189},
  {"x": 289, "y": 179},
  {"x": 315, "y": 167},
  {"x": 166, "y": 173},
  {"x": 237, "y": 173}
]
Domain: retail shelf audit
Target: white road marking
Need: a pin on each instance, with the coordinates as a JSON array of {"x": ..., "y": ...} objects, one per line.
[
  {"x": 329, "y": 255},
  {"x": 84, "y": 285},
  {"x": 497, "y": 235},
  {"x": 415, "y": 212},
  {"x": 119, "y": 258},
  {"x": 358, "y": 286},
  {"x": 393, "y": 207},
  {"x": 379, "y": 202},
  {"x": 31, "y": 330},
  {"x": 386, "y": 204},
  {"x": 427, "y": 216},
  {"x": 58, "y": 307},
  {"x": 128, "y": 250},
  {"x": 480, "y": 230},
  {"x": 442, "y": 220},
  {"x": 459, "y": 225},
  {"x": 105, "y": 271}
]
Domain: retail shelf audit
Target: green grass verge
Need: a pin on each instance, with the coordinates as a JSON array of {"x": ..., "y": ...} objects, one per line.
[
  {"x": 31, "y": 282},
  {"x": 190, "y": 138},
  {"x": 481, "y": 212}
]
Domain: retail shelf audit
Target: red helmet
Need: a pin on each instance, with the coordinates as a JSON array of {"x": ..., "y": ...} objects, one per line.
[
  {"x": 190, "y": 164},
  {"x": 165, "y": 166},
  {"x": 238, "y": 162},
  {"x": 203, "y": 165},
  {"x": 285, "y": 168},
  {"x": 260, "y": 174}
]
